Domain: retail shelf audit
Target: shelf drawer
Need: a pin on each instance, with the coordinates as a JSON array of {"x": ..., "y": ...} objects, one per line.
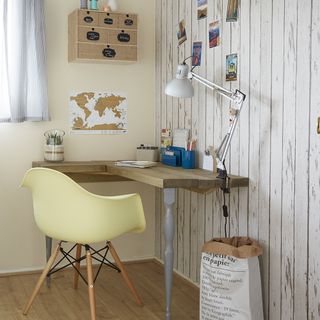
[
  {"x": 88, "y": 18},
  {"x": 108, "y": 20},
  {"x": 92, "y": 35},
  {"x": 123, "y": 37},
  {"x": 107, "y": 52},
  {"x": 127, "y": 21}
]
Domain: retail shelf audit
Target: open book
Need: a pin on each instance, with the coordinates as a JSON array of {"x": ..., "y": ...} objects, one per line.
[{"x": 136, "y": 164}]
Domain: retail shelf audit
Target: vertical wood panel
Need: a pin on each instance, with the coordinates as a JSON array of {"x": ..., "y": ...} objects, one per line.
[
  {"x": 244, "y": 120},
  {"x": 288, "y": 161},
  {"x": 264, "y": 164},
  {"x": 209, "y": 123},
  {"x": 302, "y": 164},
  {"x": 201, "y": 143},
  {"x": 255, "y": 107},
  {"x": 276, "y": 160},
  {"x": 314, "y": 189},
  {"x": 218, "y": 110},
  {"x": 235, "y": 44}
]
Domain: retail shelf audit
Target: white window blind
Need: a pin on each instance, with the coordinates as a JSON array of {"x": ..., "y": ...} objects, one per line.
[{"x": 23, "y": 79}]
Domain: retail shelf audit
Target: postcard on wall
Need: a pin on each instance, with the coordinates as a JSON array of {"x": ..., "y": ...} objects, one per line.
[
  {"x": 93, "y": 112},
  {"x": 232, "y": 67},
  {"x": 202, "y": 9},
  {"x": 214, "y": 34},
  {"x": 232, "y": 10},
  {"x": 196, "y": 53},
  {"x": 181, "y": 32}
]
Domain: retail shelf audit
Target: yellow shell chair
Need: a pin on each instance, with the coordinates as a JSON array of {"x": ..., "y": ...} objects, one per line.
[{"x": 63, "y": 210}]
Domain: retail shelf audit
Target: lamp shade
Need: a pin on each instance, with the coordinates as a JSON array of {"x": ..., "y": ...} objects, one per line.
[{"x": 181, "y": 86}]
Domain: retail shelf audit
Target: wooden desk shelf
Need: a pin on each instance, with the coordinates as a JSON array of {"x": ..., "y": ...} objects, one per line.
[
  {"x": 161, "y": 176},
  {"x": 97, "y": 36}
]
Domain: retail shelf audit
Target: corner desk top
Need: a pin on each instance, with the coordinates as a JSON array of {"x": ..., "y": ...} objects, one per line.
[{"x": 161, "y": 176}]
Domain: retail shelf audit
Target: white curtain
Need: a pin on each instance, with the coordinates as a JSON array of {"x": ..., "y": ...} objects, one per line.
[{"x": 23, "y": 79}]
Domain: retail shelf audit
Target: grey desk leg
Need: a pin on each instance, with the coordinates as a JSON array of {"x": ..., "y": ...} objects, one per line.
[
  {"x": 169, "y": 227},
  {"x": 48, "y": 255}
]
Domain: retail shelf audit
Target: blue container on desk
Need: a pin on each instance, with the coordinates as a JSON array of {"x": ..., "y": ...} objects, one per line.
[
  {"x": 188, "y": 159},
  {"x": 174, "y": 160}
]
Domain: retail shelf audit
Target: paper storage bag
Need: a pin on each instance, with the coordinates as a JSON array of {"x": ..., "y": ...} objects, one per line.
[{"x": 230, "y": 283}]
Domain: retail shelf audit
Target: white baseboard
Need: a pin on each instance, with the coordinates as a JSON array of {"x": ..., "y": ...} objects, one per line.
[{"x": 37, "y": 269}]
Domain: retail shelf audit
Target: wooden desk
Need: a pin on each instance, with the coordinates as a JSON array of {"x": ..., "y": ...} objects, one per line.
[{"x": 164, "y": 177}]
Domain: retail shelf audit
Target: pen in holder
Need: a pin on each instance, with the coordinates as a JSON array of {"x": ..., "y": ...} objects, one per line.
[{"x": 188, "y": 159}]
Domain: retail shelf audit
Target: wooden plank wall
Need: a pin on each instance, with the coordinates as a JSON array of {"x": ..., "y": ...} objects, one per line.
[{"x": 275, "y": 144}]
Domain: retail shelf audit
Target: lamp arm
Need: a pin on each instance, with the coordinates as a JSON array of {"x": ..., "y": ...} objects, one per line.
[
  {"x": 236, "y": 97},
  {"x": 226, "y": 142},
  {"x": 213, "y": 86}
]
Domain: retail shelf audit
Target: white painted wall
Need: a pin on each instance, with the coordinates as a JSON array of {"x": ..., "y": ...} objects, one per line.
[
  {"x": 275, "y": 144},
  {"x": 21, "y": 244}
]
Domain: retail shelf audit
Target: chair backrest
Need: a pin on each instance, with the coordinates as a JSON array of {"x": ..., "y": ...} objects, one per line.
[{"x": 64, "y": 210}]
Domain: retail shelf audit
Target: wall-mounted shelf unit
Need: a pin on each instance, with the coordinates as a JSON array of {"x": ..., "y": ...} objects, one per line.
[{"x": 98, "y": 36}]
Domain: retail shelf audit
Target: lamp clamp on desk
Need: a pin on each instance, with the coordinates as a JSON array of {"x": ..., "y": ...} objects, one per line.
[{"x": 181, "y": 87}]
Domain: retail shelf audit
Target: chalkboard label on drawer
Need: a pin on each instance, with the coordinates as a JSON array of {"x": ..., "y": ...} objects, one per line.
[
  {"x": 108, "y": 21},
  {"x": 88, "y": 19},
  {"x": 93, "y": 36},
  {"x": 128, "y": 22},
  {"x": 109, "y": 53},
  {"x": 124, "y": 37}
]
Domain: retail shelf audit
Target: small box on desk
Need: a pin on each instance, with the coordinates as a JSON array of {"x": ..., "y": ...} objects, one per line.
[
  {"x": 172, "y": 156},
  {"x": 147, "y": 154}
]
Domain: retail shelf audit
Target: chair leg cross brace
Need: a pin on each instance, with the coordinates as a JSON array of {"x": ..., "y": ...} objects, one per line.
[{"x": 75, "y": 263}]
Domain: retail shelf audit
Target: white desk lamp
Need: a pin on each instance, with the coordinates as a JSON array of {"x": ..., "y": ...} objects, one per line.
[{"x": 181, "y": 87}]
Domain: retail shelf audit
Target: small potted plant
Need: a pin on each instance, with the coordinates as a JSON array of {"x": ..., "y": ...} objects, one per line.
[{"x": 53, "y": 149}]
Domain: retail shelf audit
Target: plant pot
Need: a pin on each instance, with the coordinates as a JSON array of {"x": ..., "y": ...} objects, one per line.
[{"x": 53, "y": 152}]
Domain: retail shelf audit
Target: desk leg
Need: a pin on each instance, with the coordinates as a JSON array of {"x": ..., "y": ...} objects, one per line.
[
  {"x": 48, "y": 255},
  {"x": 169, "y": 227}
]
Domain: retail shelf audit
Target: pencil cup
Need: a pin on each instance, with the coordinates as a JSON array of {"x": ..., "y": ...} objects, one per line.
[{"x": 188, "y": 159}]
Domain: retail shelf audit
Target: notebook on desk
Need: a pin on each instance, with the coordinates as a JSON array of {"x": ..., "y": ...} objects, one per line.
[{"x": 135, "y": 164}]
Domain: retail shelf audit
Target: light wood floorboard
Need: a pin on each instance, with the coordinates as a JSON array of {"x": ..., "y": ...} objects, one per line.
[{"x": 114, "y": 300}]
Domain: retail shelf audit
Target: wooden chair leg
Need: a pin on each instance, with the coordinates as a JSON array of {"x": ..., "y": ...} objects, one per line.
[
  {"x": 41, "y": 279},
  {"x": 77, "y": 266},
  {"x": 90, "y": 285},
  {"x": 125, "y": 274}
]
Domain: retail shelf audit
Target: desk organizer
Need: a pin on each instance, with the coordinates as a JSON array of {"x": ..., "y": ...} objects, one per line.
[
  {"x": 174, "y": 160},
  {"x": 188, "y": 159}
]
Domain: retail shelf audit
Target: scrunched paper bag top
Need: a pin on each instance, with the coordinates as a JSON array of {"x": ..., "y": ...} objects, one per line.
[{"x": 239, "y": 247}]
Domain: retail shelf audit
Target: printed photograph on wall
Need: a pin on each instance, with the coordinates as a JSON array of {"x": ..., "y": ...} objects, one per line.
[
  {"x": 232, "y": 67},
  {"x": 232, "y": 10},
  {"x": 202, "y": 9},
  {"x": 181, "y": 32},
  {"x": 214, "y": 34},
  {"x": 196, "y": 53}
]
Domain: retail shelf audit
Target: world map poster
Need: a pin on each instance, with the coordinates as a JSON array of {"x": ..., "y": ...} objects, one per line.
[{"x": 98, "y": 113}]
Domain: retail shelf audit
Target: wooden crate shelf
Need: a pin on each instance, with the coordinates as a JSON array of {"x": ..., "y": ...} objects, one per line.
[{"x": 98, "y": 36}]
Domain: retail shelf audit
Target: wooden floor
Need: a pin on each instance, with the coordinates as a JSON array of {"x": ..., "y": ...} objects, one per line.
[{"x": 114, "y": 301}]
